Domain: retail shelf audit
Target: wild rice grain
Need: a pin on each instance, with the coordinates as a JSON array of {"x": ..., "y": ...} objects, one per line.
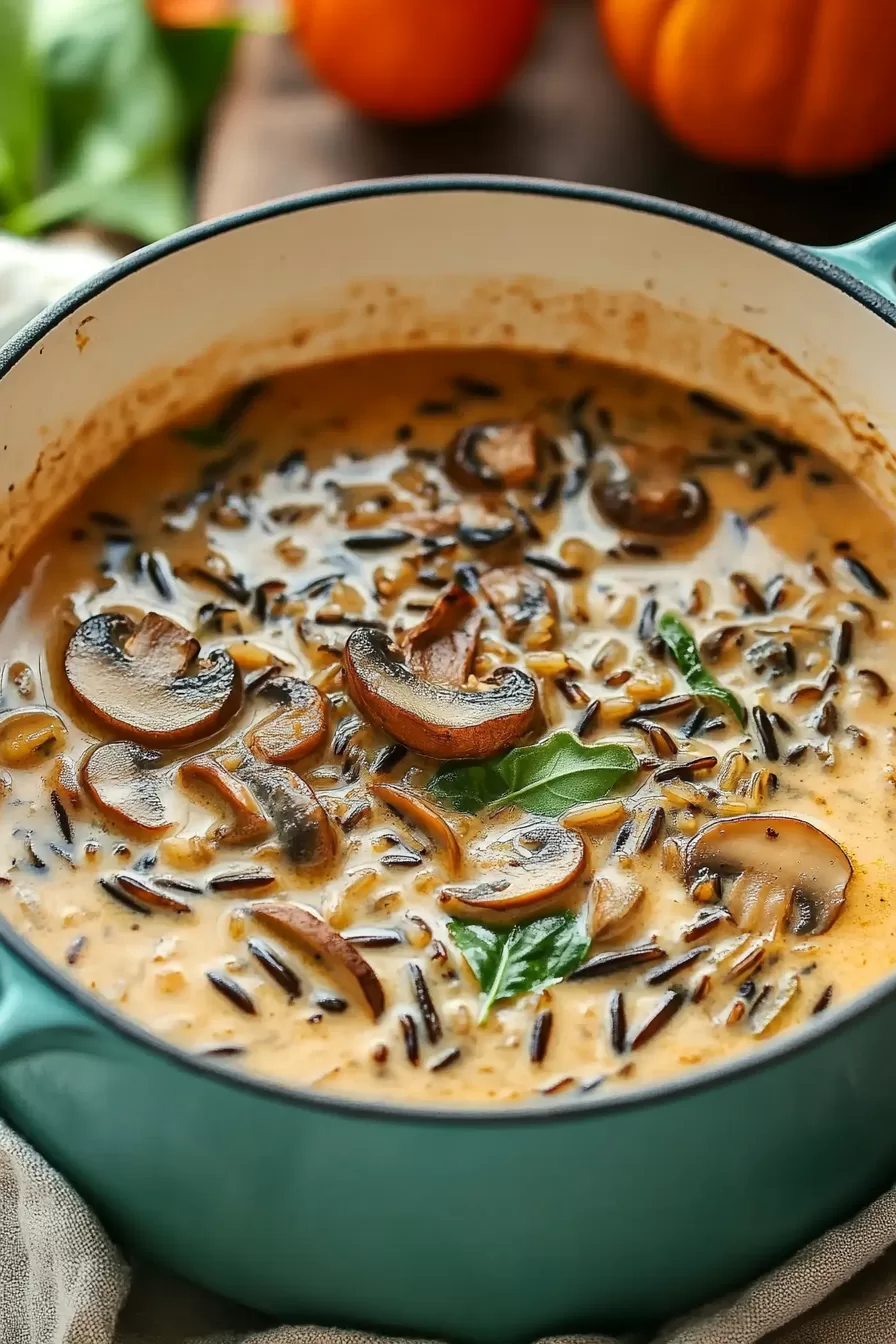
[
  {"x": 823, "y": 1002},
  {"x": 271, "y": 961},
  {"x": 865, "y": 577},
  {"x": 622, "y": 959},
  {"x": 410, "y": 1038},
  {"x": 445, "y": 1060},
  {"x": 75, "y": 948},
  {"x": 766, "y": 733},
  {"x": 618, "y": 1025},
  {"x": 668, "y": 1006},
  {"x": 431, "y": 1021},
  {"x": 660, "y": 974},
  {"x": 841, "y": 649},
  {"x": 651, "y": 830},
  {"x": 590, "y": 720},
  {"x": 231, "y": 991},
  {"x": 62, "y": 818},
  {"x": 541, "y": 1035}
]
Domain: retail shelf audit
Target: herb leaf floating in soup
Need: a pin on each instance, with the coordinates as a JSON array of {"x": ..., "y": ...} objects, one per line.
[
  {"x": 545, "y": 779},
  {"x": 528, "y": 957},
  {"x": 679, "y": 639}
]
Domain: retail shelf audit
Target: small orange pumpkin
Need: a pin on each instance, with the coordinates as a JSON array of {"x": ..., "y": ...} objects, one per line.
[
  {"x": 802, "y": 85},
  {"x": 415, "y": 60}
]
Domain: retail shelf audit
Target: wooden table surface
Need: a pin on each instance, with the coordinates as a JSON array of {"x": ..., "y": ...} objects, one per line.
[{"x": 564, "y": 116}]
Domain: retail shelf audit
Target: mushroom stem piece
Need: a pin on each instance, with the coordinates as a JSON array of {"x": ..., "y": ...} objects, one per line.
[
  {"x": 135, "y": 678},
  {"x": 439, "y": 721},
  {"x": 428, "y": 818},
  {"x": 304, "y": 927},
  {"x": 783, "y": 866}
]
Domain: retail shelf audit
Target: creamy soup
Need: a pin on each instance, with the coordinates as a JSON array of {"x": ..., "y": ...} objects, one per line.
[{"x": 454, "y": 726}]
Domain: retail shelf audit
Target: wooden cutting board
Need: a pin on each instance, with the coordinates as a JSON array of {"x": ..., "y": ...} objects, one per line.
[{"x": 564, "y": 116}]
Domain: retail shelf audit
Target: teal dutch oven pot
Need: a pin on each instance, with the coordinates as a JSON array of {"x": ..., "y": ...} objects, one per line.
[{"x": 600, "y": 1212}]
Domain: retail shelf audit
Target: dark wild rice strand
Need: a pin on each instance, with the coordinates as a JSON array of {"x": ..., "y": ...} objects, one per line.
[
  {"x": 231, "y": 991},
  {"x": 541, "y": 1035},
  {"x": 618, "y": 1025},
  {"x": 431, "y": 1021}
]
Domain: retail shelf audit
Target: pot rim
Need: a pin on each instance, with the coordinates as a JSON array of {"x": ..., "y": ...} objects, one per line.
[{"x": 568, "y": 1108}]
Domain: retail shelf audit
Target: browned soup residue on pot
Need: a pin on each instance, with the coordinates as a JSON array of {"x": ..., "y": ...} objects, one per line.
[{"x": 232, "y": 665}]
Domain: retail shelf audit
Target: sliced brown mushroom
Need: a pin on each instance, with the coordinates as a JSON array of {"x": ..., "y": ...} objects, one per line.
[
  {"x": 442, "y": 646},
  {"x": 295, "y": 730},
  {"x": 524, "y": 602},
  {"x": 614, "y": 898},
  {"x": 136, "y": 678},
  {"x": 302, "y": 926},
  {"x": 28, "y": 734},
  {"x": 520, "y": 870},
  {"x": 641, "y": 490},
  {"x": 447, "y": 723},
  {"x": 248, "y": 823},
  {"x": 786, "y": 871},
  {"x": 409, "y": 804},
  {"x": 304, "y": 832},
  {"x": 496, "y": 457},
  {"x": 124, "y": 782}
]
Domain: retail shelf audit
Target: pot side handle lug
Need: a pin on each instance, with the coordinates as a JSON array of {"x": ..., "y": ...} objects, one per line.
[
  {"x": 871, "y": 259},
  {"x": 35, "y": 1019}
]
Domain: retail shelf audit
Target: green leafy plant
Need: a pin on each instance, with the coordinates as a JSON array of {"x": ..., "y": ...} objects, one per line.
[
  {"x": 99, "y": 109},
  {"x": 529, "y": 956},
  {"x": 545, "y": 779},
  {"x": 682, "y": 644}
]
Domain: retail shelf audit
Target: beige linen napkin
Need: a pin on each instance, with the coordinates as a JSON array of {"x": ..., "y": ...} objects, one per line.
[{"x": 63, "y": 1282}]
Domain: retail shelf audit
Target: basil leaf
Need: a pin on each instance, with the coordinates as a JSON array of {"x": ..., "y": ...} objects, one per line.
[
  {"x": 545, "y": 779},
  {"x": 679, "y": 639},
  {"x": 530, "y": 956}
]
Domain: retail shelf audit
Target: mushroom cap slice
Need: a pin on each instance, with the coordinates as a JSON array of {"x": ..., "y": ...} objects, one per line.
[
  {"x": 640, "y": 491},
  {"x": 524, "y": 602},
  {"x": 120, "y": 777},
  {"x": 304, "y": 832},
  {"x": 442, "y": 646},
  {"x": 495, "y": 457},
  {"x": 418, "y": 810},
  {"x": 447, "y": 723},
  {"x": 248, "y": 824},
  {"x": 782, "y": 865},
  {"x": 135, "y": 678},
  {"x": 302, "y": 926},
  {"x": 521, "y": 869},
  {"x": 293, "y": 731}
]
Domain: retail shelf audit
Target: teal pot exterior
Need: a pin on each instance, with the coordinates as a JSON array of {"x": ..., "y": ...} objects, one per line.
[
  {"x": 594, "y": 1213},
  {"x": 485, "y": 1229}
]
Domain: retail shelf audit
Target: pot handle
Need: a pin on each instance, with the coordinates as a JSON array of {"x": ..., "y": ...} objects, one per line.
[{"x": 871, "y": 259}]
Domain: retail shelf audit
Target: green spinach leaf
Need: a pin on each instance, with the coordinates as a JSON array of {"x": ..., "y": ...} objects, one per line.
[
  {"x": 529, "y": 956},
  {"x": 679, "y": 639},
  {"x": 21, "y": 107},
  {"x": 546, "y": 779},
  {"x": 103, "y": 130}
]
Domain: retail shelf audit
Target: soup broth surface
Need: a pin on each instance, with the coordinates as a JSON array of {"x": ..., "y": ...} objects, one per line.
[{"x": 702, "y": 605}]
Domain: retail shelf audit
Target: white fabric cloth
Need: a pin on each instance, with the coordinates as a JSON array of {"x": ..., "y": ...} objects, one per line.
[{"x": 63, "y": 1282}]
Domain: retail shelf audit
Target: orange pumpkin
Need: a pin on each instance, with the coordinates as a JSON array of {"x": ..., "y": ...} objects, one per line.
[
  {"x": 803, "y": 85},
  {"x": 415, "y": 60}
]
